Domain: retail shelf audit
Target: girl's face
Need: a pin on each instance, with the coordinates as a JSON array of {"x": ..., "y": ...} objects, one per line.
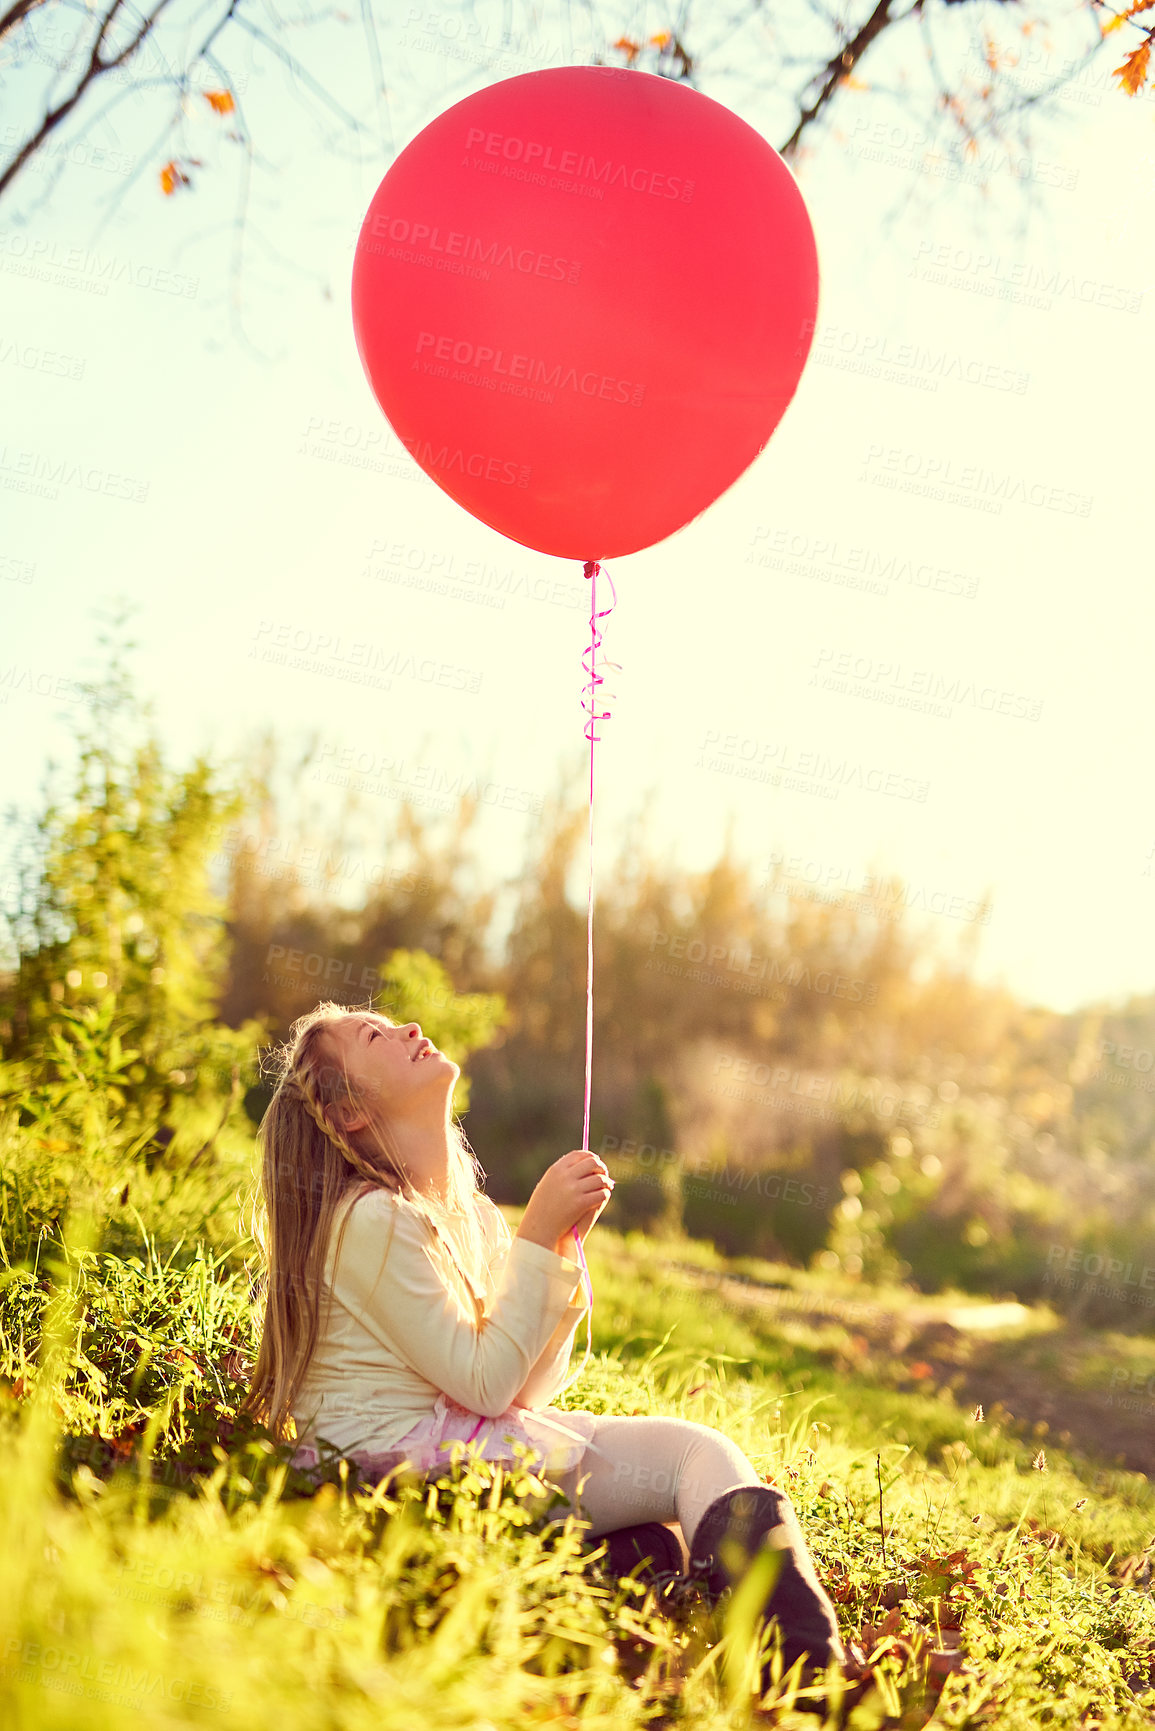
[{"x": 391, "y": 1067}]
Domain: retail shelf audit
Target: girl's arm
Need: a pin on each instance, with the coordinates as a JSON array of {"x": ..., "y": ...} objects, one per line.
[
  {"x": 552, "y": 1364},
  {"x": 388, "y": 1276},
  {"x": 548, "y": 1371}
]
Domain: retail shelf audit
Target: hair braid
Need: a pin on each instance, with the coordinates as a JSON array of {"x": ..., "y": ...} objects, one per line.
[{"x": 301, "y": 1083}]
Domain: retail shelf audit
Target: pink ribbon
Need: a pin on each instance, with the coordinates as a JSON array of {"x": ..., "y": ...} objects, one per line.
[
  {"x": 594, "y": 715},
  {"x": 589, "y": 701}
]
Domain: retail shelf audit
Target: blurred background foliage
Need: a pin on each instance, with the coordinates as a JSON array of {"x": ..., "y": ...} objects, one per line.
[{"x": 795, "y": 1076}]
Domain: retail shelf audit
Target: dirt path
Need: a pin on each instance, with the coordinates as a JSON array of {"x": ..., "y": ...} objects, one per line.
[{"x": 1063, "y": 1382}]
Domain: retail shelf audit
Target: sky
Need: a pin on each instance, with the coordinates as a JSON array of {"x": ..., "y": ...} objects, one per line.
[{"x": 913, "y": 638}]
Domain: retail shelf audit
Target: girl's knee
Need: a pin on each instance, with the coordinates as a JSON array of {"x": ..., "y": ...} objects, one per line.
[
  {"x": 706, "y": 1439},
  {"x": 707, "y": 1432},
  {"x": 685, "y": 1433}
]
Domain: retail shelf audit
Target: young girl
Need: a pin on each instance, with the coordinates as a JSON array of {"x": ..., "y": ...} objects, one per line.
[{"x": 401, "y": 1314}]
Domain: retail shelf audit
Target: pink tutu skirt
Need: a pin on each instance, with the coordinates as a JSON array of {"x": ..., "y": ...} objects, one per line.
[{"x": 559, "y": 1440}]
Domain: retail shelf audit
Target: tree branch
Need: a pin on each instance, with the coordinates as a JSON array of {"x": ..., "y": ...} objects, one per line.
[
  {"x": 842, "y": 65},
  {"x": 300, "y": 72},
  {"x": 95, "y": 69},
  {"x": 14, "y": 14}
]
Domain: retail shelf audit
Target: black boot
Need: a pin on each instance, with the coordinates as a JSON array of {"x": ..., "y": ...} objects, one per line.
[
  {"x": 732, "y": 1531},
  {"x": 650, "y": 1543}
]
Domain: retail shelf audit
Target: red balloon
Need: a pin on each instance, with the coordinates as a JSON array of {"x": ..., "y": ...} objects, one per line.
[{"x": 583, "y": 298}]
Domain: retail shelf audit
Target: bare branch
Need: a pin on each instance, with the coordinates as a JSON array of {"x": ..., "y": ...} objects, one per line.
[
  {"x": 14, "y": 14},
  {"x": 240, "y": 224},
  {"x": 181, "y": 82},
  {"x": 375, "y": 62},
  {"x": 95, "y": 69},
  {"x": 843, "y": 64},
  {"x": 824, "y": 44},
  {"x": 299, "y": 71}
]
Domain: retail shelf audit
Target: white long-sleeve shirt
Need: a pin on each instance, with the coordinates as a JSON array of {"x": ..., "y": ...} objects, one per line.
[{"x": 403, "y": 1327}]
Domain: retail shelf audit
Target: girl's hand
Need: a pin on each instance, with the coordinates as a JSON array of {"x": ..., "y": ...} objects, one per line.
[
  {"x": 582, "y": 1226},
  {"x": 572, "y": 1192}
]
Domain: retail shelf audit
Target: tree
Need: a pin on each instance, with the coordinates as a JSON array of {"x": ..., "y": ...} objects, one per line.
[
  {"x": 953, "y": 67},
  {"x": 292, "y": 865},
  {"x": 117, "y": 946}
]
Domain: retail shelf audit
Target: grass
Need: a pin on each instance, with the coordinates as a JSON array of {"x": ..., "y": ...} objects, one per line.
[{"x": 163, "y": 1559}]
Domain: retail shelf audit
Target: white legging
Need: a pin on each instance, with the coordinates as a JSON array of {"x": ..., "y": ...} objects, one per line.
[{"x": 653, "y": 1469}]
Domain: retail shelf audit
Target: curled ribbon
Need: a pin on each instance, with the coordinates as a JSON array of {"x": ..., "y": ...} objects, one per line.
[{"x": 593, "y": 568}]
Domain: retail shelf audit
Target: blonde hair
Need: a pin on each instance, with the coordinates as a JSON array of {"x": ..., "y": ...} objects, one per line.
[{"x": 310, "y": 1167}]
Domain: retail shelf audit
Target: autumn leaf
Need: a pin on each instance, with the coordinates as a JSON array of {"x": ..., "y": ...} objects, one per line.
[
  {"x": 628, "y": 47},
  {"x": 943, "y": 1574},
  {"x": 220, "y": 101},
  {"x": 882, "y": 1638},
  {"x": 920, "y": 1369},
  {"x": 661, "y": 41},
  {"x": 179, "y": 1355},
  {"x": 1132, "y": 75},
  {"x": 173, "y": 175},
  {"x": 850, "y": 82},
  {"x": 1121, "y": 18}
]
